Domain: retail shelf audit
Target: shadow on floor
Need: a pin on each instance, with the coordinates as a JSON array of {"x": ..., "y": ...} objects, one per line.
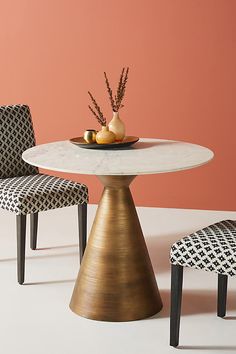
[
  {"x": 68, "y": 254},
  {"x": 196, "y": 302},
  {"x": 56, "y": 247},
  {"x": 230, "y": 318},
  {"x": 52, "y": 282},
  {"x": 208, "y": 347}
]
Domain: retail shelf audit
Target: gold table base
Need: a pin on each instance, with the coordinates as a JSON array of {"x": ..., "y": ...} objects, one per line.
[{"x": 116, "y": 281}]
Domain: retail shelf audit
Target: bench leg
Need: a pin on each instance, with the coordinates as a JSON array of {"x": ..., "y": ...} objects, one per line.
[
  {"x": 82, "y": 216},
  {"x": 222, "y": 295},
  {"x": 21, "y": 231},
  {"x": 33, "y": 230},
  {"x": 176, "y": 297}
]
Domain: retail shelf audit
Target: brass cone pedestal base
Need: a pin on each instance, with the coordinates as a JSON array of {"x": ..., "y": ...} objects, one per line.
[{"x": 116, "y": 280}]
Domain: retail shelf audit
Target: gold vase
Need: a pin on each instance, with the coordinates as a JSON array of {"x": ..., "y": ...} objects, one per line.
[
  {"x": 104, "y": 136},
  {"x": 117, "y": 126},
  {"x": 90, "y": 136}
]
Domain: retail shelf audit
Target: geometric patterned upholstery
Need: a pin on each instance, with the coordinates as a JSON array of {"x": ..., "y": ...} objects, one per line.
[
  {"x": 22, "y": 189},
  {"x": 213, "y": 249},
  {"x": 30, "y": 194},
  {"x": 16, "y": 136}
]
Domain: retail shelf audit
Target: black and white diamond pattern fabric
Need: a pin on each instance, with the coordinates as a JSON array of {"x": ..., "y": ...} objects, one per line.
[
  {"x": 16, "y": 136},
  {"x": 35, "y": 193},
  {"x": 212, "y": 248}
]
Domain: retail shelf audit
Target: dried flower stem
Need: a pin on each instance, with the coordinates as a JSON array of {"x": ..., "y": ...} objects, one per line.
[
  {"x": 116, "y": 102},
  {"x": 99, "y": 115},
  {"x": 121, "y": 93},
  {"x": 109, "y": 90},
  {"x": 119, "y": 86}
]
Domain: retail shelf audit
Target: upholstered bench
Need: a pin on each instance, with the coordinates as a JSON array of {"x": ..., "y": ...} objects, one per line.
[{"x": 211, "y": 249}]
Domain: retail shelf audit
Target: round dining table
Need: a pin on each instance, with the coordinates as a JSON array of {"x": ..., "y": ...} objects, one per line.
[{"x": 116, "y": 281}]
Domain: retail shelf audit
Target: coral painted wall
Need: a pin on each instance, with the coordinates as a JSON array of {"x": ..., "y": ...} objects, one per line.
[{"x": 182, "y": 83}]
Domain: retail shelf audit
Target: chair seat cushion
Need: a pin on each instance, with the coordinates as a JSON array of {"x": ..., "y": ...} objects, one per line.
[
  {"x": 212, "y": 248},
  {"x": 40, "y": 192}
]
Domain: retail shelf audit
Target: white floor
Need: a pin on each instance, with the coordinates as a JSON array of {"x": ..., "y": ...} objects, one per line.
[{"x": 35, "y": 318}]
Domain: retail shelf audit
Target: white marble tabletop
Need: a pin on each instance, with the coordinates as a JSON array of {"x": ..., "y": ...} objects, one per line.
[{"x": 148, "y": 156}]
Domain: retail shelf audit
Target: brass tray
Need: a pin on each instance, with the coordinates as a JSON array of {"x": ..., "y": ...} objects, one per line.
[{"x": 127, "y": 141}]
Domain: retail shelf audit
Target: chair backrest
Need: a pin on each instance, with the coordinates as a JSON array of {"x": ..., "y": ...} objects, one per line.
[{"x": 16, "y": 135}]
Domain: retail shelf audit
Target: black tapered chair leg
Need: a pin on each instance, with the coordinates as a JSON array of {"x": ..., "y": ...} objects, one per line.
[
  {"x": 33, "y": 230},
  {"x": 82, "y": 215},
  {"x": 222, "y": 295},
  {"x": 21, "y": 231},
  {"x": 176, "y": 298}
]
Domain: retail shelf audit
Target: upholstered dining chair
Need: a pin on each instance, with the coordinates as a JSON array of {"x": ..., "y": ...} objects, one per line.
[
  {"x": 23, "y": 190},
  {"x": 212, "y": 249}
]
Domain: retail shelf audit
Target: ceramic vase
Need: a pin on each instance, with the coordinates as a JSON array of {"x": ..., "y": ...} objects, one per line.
[
  {"x": 105, "y": 136},
  {"x": 117, "y": 127}
]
